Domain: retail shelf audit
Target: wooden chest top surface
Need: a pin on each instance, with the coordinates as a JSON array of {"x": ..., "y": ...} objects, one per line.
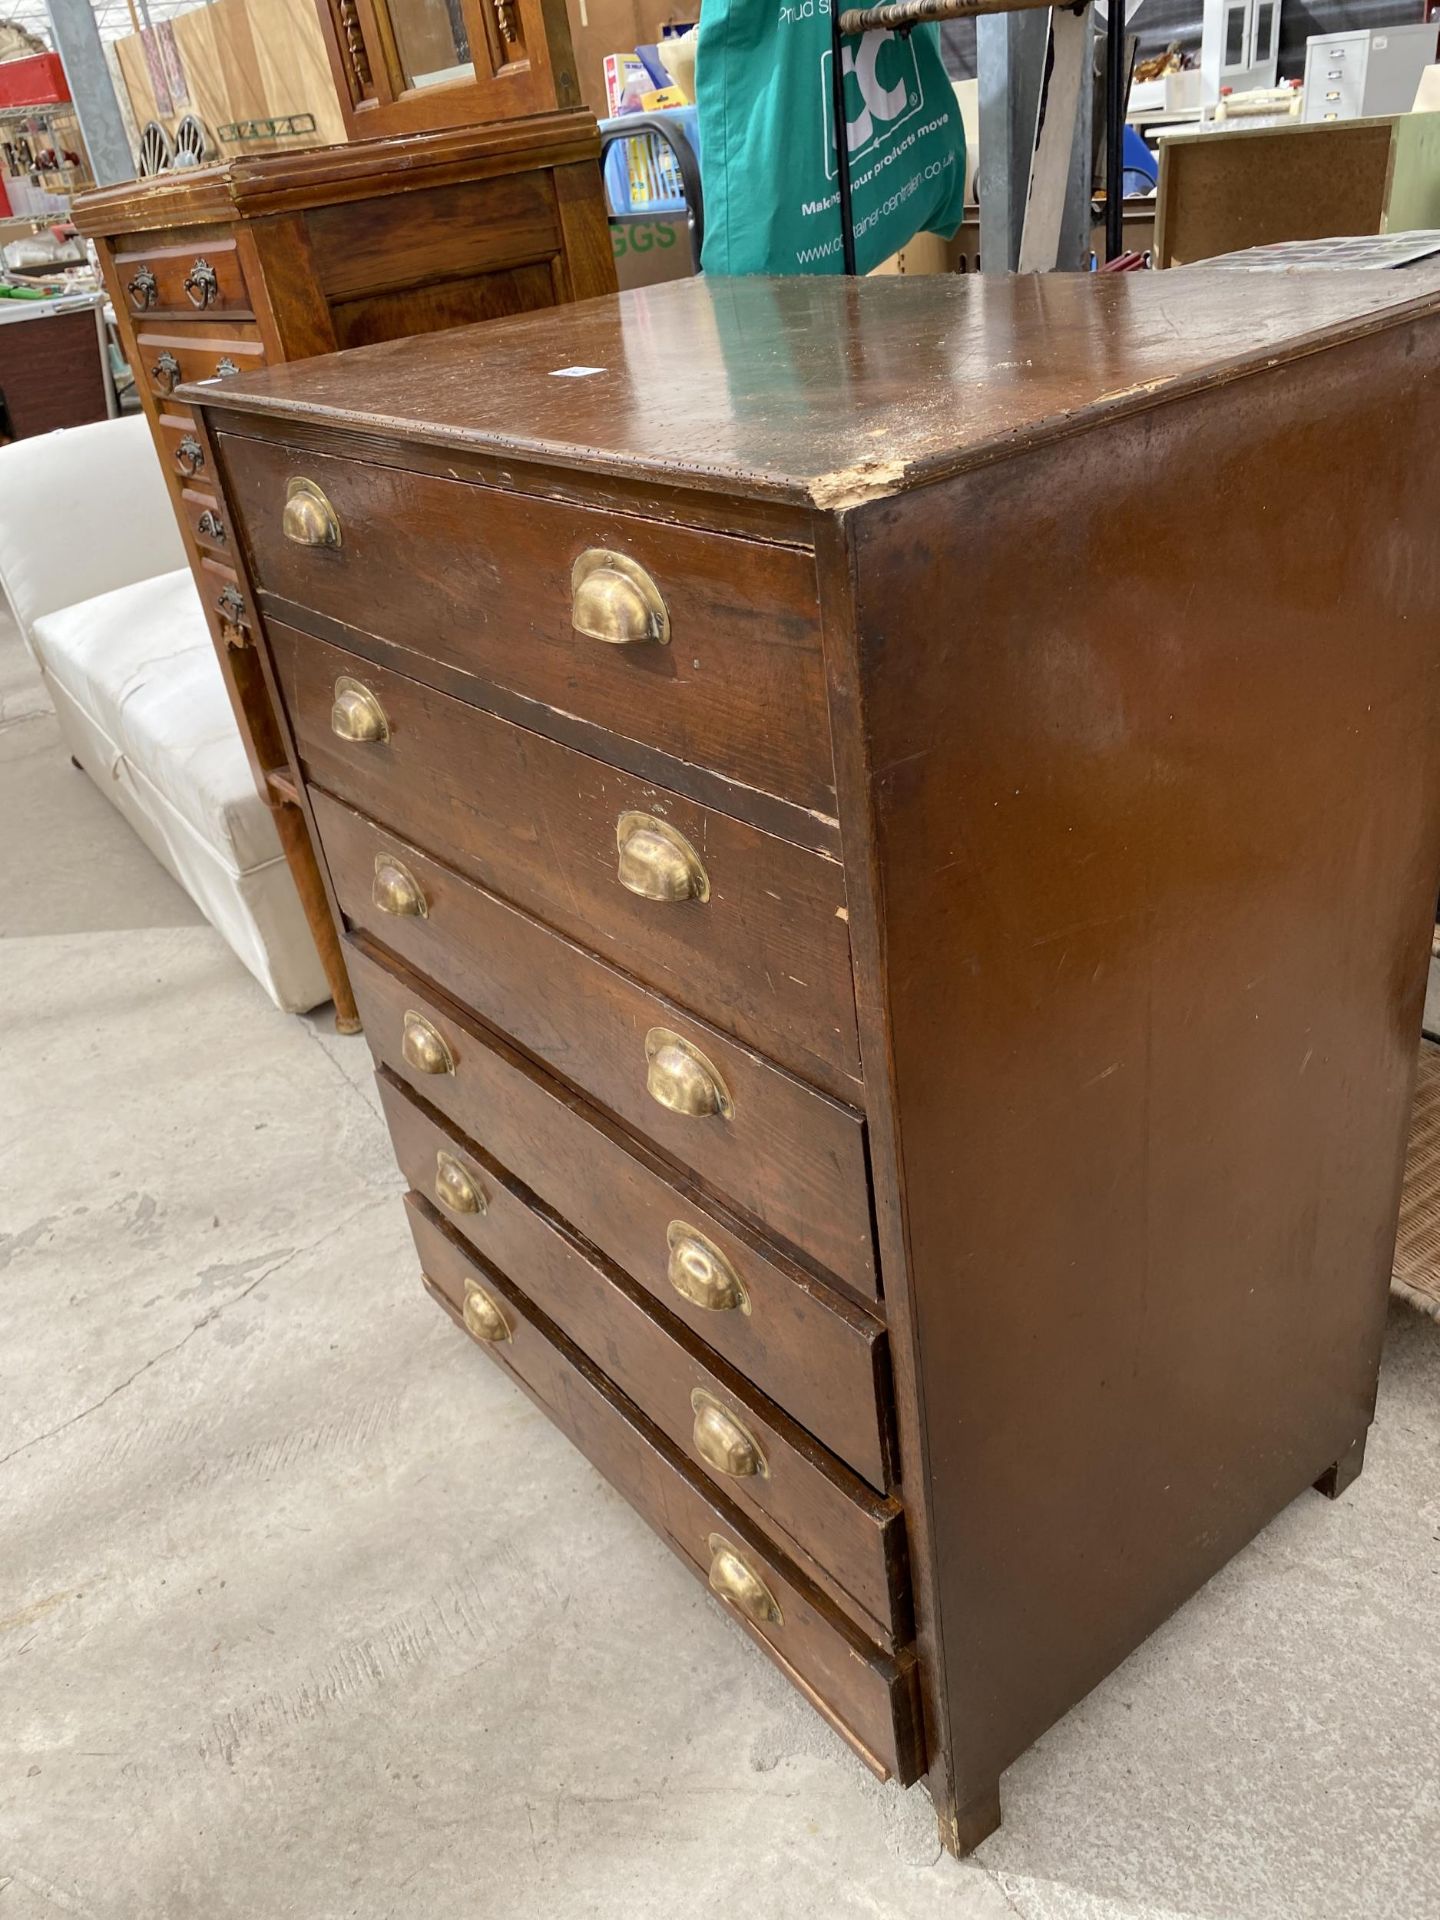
[{"x": 825, "y": 392}]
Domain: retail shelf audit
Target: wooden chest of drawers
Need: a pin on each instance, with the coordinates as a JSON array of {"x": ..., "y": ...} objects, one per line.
[
  {"x": 216, "y": 271},
  {"x": 887, "y": 835}
]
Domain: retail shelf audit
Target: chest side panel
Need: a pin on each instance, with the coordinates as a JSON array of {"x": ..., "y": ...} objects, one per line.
[{"x": 1149, "y": 718}]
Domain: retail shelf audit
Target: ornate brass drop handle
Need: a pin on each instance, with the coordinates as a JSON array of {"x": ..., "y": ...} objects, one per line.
[
  {"x": 483, "y": 1317},
  {"x": 309, "y": 519},
  {"x": 681, "y": 1079},
  {"x": 211, "y": 525},
  {"x": 613, "y": 598},
  {"x": 202, "y": 284},
  {"x": 225, "y": 368},
  {"x": 144, "y": 289},
  {"x": 190, "y": 456},
  {"x": 657, "y": 862},
  {"x": 166, "y": 372},
  {"x": 453, "y": 1186},
  {"x": 357, "y": 715},
  {"x": 726, "y": 1442},
  {"x": 396, "y": 890},
  {"x": 424, "y": 1047},
  {"x": 735, "y": 1580},
  {"x": 700, "y": 1273},
  {"x": 230, "y": 605}
]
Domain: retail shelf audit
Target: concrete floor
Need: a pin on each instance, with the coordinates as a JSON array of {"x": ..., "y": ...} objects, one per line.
[{"x": 304, "y": 1611}]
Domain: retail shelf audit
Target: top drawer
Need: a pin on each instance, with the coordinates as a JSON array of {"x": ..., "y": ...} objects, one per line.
[
  {"x": 723, "y": 669},
  {"x": 203, "y": 277}
]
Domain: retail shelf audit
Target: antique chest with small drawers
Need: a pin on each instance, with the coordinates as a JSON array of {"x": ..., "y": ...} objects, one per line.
[
  {"x": 216, "y": 271},
  {"x": 886, "y": 835}
]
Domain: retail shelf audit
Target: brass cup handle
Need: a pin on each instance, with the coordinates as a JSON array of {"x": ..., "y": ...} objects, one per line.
[
  {"x": 190, "y": 455},
  {"x": 613, "y": 598},
  {"x": 725, "y": 1441},
  {"x": 679, "y": 1077},
  {"x": 657, "y": 862},
  {"x": 396, "y": 890},
  {"x": 482, "y": 1315},
  {"x": 700, "y": 1273},
  {"x": 166, "y": 372},
  {"x": 144, "y": 289},
  {"x": 424, "y": 1047},
  {"x": 202, "y": 284},
  {"x": 735, "y": 1580},
  {"x": 357, "y": 715},
  {"x": 453, "y": 1186},
  {"x": 309, "y": 519}
]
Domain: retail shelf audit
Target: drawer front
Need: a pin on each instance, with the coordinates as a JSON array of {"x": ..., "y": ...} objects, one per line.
[
  {"x": 481, "y": 581},
  {"x": 422, "y": 1141},
  {"x": 748, "y": 930},
  {"x": 871, "y": 1698},
  {"x": 806, "y": 1346},
  {"x": 171, "y": 355},
  {"x": 203, "y": 277},
  {"x": 185, "y": 449},
  {"x": 849, "y": 1540},
  {"x": 790, "y": 1156},
  {"x": 205, "y": 517}
]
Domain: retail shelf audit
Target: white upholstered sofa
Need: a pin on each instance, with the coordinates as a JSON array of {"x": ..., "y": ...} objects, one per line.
[{"x": 95, "y": 573}]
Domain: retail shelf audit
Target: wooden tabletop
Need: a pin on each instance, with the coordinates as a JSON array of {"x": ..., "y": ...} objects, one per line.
[{"x": 822, "y": 390}]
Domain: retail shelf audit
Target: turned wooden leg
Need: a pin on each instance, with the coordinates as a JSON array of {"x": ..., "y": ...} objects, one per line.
[
  {"x": 963, "y": 1830},
  {"x": 295, "y": 840},
  {"x": 1336, "y": 1478}
]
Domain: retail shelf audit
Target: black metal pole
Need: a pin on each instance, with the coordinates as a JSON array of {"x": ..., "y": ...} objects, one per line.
[
  {"x": 842, "y": 138},
  {"x": 1115, "y": 130}
]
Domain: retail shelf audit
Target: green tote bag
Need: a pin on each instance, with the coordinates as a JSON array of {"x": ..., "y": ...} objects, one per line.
[{"x": 762, "y": 85}]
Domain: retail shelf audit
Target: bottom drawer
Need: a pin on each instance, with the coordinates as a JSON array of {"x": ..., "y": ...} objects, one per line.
[{"x": 869, "y": 1697}]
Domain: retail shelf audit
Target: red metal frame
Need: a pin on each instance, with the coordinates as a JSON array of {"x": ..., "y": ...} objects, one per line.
[{"x": 38, "y": 80}]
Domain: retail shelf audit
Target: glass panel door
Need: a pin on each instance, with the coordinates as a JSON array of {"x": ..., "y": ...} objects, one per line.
[{"x": 432, "y": 41}]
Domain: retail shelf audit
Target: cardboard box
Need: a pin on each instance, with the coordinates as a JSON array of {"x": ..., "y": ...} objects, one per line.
[
  {"x": 598, "y": 27},
  {"x": 649, "y": 251}
]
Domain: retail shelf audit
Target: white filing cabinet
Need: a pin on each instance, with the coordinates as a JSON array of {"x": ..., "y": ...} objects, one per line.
[{"x": 1351, "y": 76}]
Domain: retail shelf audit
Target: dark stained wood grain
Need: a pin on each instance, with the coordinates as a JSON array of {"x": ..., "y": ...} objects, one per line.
[
  {"x": 803, "y": 1343},
  {"x": 1126, "y": 606},
  {"x": 496, "y": 293},
  {"x": 866, "y": 1695},
  {"x": 848, "y": 1539},
  {"x": 789, "y": 1156},
  {"x": 453, "y": 233},
  {"x": 782, "y": 818},
  {"x": 1159, "y": 869},
  {"x": 587, "y": 257},
  {"x": 480, "y": 580},
  {"x": 826, "y": 392},
  {"x": 804, "y": 1347},
  {"x": 766, "y": 957}
]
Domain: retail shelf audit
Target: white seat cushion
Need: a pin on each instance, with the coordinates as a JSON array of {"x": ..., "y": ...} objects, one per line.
[{"x": 140, "y": 662}]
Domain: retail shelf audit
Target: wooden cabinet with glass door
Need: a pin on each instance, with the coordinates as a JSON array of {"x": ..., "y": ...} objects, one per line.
[
  {"x": 216, "y": 271},
  {"x": 403, "y": 66}
]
